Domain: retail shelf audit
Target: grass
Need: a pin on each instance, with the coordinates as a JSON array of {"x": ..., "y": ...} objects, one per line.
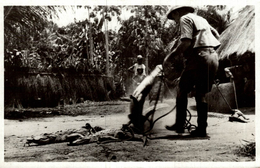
[{"x": 247, "y": 149}]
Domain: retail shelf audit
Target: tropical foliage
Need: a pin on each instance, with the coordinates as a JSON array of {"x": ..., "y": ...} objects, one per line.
[
  {"x": 82, "y": 45},
  {"x": 23, "y": 39},
  {"x": 147, "y": 32},
  {"x": 24, "y": 23},
  {"x": 34, "y": 42},
  {"x": 218, "y": 16}
]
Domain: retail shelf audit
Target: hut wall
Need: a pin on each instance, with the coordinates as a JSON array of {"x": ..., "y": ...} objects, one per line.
[{"x": 48, "y": 89}]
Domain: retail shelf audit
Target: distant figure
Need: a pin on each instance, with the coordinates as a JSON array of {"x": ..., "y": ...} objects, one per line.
[
  {"x": 138, "y": 65},
  {"x": 139, "y": 72}
]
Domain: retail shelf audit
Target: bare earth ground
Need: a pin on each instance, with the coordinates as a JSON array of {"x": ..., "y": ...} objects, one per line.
[{"x": 222, "y": 145}]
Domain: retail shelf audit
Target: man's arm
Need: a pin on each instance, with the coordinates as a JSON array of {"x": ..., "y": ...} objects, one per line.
[
  {"x": 181, "y": 48},
  {"x": 131, "y": 67},
  {"x": 169, "y": 59},
  {"x": 144, "y": 69}
]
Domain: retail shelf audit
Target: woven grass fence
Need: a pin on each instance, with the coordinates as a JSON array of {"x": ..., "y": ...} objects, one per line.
[{"x": 24, "y": 90}]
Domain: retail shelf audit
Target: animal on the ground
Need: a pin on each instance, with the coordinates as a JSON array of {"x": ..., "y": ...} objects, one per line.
[{"x": 87, "y": 134}]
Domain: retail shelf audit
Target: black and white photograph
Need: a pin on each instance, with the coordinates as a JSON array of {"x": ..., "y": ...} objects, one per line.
[{"x": 105, "y": 84}]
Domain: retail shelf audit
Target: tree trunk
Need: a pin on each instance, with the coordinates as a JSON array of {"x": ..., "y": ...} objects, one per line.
[
  {"x": 90, "y": 42},
  {"x": 106, "y": 45},
  {"x": 146, "y": 48},
  {"x": 91, "y": 45}
]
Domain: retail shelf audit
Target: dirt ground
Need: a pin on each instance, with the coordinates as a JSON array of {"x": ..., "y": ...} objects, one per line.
[{"x": 221, "y": 145}]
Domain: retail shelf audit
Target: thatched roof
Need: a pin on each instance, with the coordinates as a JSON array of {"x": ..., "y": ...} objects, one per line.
[{"x": 239, "y": 37}]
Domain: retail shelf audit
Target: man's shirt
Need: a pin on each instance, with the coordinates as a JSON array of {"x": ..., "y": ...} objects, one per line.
[
  {"x": 139, "y": 66},
  {"x": 198, "y": 30}
]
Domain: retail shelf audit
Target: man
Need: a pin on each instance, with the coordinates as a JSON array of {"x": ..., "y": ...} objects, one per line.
[
  {"x": 138, "y": 65},
  {"x": 198, "y": 42}
]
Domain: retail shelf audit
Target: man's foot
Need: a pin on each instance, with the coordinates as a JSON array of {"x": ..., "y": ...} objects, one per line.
[
  {"x": 198, "y": 133},
  {"x": 175, "y": 128}
]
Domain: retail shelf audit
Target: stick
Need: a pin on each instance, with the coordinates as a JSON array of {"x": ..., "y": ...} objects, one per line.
[{"x": 223, "y": 96}]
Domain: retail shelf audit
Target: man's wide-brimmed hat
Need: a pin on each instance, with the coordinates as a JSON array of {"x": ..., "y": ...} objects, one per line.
[{"x": 177, "y": 8}]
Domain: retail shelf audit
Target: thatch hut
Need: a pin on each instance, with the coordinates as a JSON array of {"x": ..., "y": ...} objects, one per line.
[
  {"x": 239, "y": 38},
  {"x": 237, "y": 50}
]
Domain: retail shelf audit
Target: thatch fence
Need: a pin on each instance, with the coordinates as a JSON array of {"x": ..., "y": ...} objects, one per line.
[{"x": 46, "y": 89}]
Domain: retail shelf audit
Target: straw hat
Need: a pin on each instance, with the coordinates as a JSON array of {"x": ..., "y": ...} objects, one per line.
[
  {"x": 177, "y": 8},
  {"x": 139, "y": 57}
]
